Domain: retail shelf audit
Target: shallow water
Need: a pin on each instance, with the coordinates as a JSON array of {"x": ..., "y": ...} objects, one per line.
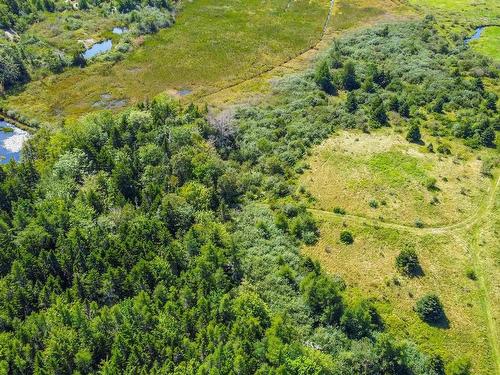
[
  {"x": 184, "y": 92},
  {"x": 476, "y": 35},
  {"x": 97, "y": 49},
  {"x": 11, "y": 143}
]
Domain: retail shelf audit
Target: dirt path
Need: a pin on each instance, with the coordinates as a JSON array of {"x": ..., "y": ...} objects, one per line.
[
  {"x": 315, "y": 47},
  {"x": 466, "y": 223},
  {"x": 466, "y": 233}
]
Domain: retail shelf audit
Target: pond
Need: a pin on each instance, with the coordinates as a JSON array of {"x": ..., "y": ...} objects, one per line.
[
  {"x": 11, "y": 142},
  {"x": 97, "y": 49},
  {"x": 476, "y": 35}
]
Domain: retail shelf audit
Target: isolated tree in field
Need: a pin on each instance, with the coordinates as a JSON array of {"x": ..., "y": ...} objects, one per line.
[
  {"x": 413, "y": 134},
  {"x": 346, "y": 238},
  {"x": 323, "y": 78},
  {"x": 349, "y": 81},
  {"x": 407, "y": 262},
  {"x": 430, "y": 309},
  {"x": 352, "y": 102}
]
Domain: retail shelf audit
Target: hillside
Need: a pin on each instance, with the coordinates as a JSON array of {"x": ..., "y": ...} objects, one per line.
[{"x": 279, "y": 187}]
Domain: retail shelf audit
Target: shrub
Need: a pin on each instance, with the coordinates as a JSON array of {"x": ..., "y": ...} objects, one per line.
[
  {"x": 407, "y": 262},
  {"x": 430, "y": 309},
  {"x": 471, "y": 274},
  {"x": 373, "y": 203},
  {"x": 430, "y": 184},
  {"x": 419, "y": 223},
  {"x": 346, "y": 237},
  {"x": 339, "y": 211},
  {"x": 459, "y": 366},
  {"x": 414, "y": 135}
]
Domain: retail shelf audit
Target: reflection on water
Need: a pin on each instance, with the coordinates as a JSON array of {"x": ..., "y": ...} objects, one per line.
[
  {"x": 97, "y": 49},
  {"x": 11, "y": 142}
]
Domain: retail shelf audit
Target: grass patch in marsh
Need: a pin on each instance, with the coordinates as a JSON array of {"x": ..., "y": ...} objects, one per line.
[
  {"x": 471, "y": 13},
  {"x": 381, "y": 175},
  {"x": 488, "y": 43},
  {"x": 368, "y": 267},
  {"x": 213, "y": 44}
]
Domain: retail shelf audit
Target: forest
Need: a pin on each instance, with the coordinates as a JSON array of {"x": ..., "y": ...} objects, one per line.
[{"x": 166, "y": 239}]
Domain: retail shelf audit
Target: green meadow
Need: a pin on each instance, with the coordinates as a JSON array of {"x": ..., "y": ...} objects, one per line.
[{"x": 214, "y": 44}]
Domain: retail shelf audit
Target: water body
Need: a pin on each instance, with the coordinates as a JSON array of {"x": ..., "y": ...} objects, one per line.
[
  {"x": 97, "y": 49},
  {"x": 184, "y": 92},
  {"x": 11, "y": 142},
  {"x": 119, "y": 30},
  {"x": 476, "y": 35}
]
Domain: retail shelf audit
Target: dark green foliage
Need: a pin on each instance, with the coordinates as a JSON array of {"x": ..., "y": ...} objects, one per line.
[
  {"x": 323, "y": 297},
  {"x": 351, "y": 103},
  {"x": 360, "y": 320},
  {"x": 378, "y": 111},
  {"x": 430, "y": 309},
  {"x": 413, "y": 134},
  {"x": 407, "y": 262},
  {"x": 323, "y": 78},
  {"x": 346, "y": 237},
  {"x": 349, "y": 81}
]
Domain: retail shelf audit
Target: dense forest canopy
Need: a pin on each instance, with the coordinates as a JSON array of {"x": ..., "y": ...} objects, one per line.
[{"x": 166, "y": 240}]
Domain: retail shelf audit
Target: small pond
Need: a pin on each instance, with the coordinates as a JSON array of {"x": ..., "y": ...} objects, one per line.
[
  {"x": 184, "y": 92},
  {"x": 11, "y": 142},
  {"x": 476, "y": 35},
  {"x": 97, "y": 49}
]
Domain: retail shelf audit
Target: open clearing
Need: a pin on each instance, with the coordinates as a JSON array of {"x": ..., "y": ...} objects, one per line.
[
  {"x": 471, "y": 13},
  {"x": 214, "y": 44},
  {"x": 382, "y": 176},
  {"x": 368, "y": 268}
]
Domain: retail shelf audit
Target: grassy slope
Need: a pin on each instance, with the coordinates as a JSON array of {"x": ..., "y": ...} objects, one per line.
[
  {"x": 352, "y": 169},
  {"x": 368, "y": 268},
  {"x": 213, "y": 44}
]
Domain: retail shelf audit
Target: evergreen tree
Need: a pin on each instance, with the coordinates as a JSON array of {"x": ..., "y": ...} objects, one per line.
[
  {"x": 413, "y": 134},
  {"x": 352, "y": 102},
  {"x": 323, "y": 79},
  {"x": 349, "y": 81}
]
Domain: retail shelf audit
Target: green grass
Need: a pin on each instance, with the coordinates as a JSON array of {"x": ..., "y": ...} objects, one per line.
[
  {"x": 467, "y": 13},
  {"x": 214, "y": 44},
  {"x": 355, "y": 170},
  {"x": 368, "y": 267},
  {"x": 489, "y": 43}
]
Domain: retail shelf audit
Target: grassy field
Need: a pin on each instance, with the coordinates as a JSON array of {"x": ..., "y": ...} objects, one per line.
[
  {"x": 347, "y": 16},
  {"x": 213, "y": 44},
  {"x": 368, "y": 267},
  {"x": 382, "y": 176},
  {"x": 462, "y": 12},
  {"x": 489, "y": 42}
]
